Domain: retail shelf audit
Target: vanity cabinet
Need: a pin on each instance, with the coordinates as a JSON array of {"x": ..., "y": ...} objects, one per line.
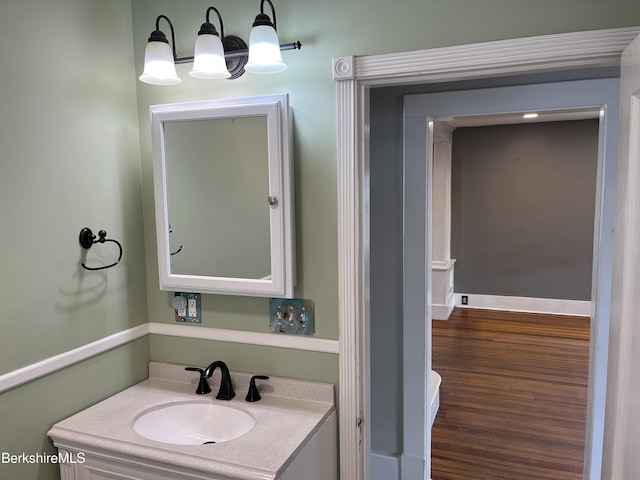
[
  {"x": 99, "y": 466},
  {"x": 317, "y": 460},
  {"x": 295, "y": 435}
]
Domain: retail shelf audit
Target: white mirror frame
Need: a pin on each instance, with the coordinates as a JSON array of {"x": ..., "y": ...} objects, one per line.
[{"x": 276, "y": 109}]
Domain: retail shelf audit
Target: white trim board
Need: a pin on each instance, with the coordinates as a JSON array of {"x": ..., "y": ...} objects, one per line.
[
  {"x": 58, "y": 362},
  {"x": 525, "y": 304},
  {"x": 292, "y": 342},
  {"x": 52, "y": 364}
]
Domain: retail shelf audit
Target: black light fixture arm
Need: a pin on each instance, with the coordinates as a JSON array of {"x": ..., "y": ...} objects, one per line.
[
  {"x": 159, "y": 36},
  {"x": 219, "y": 19},
  {"x": 273, "y": 12}
]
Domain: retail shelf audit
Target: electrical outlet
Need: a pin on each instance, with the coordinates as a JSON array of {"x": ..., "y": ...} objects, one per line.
[
  {"x": 187, "y": 307},
  {"x": 464, "y": 300}
]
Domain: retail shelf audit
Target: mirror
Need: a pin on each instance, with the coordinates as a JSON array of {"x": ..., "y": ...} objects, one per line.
[{"x": 224, "y": 196}]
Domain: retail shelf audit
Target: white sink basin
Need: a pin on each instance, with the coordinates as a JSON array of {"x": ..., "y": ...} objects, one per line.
[{"x": 193, "y": 424}]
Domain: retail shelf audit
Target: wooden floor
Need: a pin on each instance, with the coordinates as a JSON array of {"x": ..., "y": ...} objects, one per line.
[{"x": 513, "y": 396}]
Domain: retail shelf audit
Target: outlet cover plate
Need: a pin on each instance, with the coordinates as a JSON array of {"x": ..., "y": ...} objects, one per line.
[
  {"x": 292, "y": 315},
  {"x": 187, "y": 315}
]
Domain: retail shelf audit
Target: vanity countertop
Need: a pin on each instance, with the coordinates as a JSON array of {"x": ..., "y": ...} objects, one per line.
[{"x": 288, "y": 415}]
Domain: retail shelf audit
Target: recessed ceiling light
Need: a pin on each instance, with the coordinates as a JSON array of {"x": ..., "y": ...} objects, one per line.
[{"x": 530, "y": 115}]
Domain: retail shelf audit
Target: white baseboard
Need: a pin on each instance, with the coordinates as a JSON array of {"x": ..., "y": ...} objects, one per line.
[
  {"x": 442, "y": 312},
  {"x": 525, "y": 304},
  {"x": 384, "y": 467}
]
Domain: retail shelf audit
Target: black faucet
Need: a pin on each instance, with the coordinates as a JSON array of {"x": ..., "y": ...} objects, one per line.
[
  {"x": 226, "y": 387},
  {"x": 226, "y": 391}
]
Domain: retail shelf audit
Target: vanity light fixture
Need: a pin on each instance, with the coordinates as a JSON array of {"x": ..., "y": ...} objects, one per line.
[
  {"x": 216, "y": 56},
  {"x": 264, "y": 47},
  {"x": 208, "y": 61},
  {"x": 159, "y": 58}
]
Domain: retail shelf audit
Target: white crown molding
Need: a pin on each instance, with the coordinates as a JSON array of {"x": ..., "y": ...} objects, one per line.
[
  {"x": 57, "y": 362},
  {"x": 599, "y": 48},
  {"x": 596, "y": 48}
]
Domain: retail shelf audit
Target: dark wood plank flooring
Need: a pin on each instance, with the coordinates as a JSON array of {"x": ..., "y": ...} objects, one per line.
[{"x": 513, "y": 396}]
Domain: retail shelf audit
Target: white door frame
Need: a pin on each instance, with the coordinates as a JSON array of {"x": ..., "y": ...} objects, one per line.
[{"x": 354, "y": 76}]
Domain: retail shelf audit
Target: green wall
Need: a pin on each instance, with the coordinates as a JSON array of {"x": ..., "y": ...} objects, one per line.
[
  {"x": 27, "y": 412},
  {"x": 314, "y": 174},
  {"x": 70, "y": 159},
  {"x": 312, "y": 101},
  {"x": 326, "y": 29},
  {"x": 75, "y": 152},
  {"x": 69, "y": 155}
]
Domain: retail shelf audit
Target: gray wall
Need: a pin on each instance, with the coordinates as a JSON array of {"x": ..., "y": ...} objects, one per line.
[
  {"x": 523, "y": 205},
  {"x": 386, "y": 272}
]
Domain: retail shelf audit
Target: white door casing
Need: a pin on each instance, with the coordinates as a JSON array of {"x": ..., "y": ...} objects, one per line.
[
  {"x": 622, "y": 423},
  {"x": 354, "y": 76}
]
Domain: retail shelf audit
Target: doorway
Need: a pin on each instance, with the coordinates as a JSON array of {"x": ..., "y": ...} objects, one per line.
[
  {"x": 355, "y": 76},
  {"x": 396, "y": 281}
]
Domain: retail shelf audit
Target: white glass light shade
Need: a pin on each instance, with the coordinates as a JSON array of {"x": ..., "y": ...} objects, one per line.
[
  {"x": 159, "y": 67},
  {"x": 264, "y": 51},
  {"x": 208, "y": 61}
]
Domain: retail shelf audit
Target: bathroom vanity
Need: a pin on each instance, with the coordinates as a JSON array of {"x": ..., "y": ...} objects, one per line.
[{"x": 294, "y": 436}]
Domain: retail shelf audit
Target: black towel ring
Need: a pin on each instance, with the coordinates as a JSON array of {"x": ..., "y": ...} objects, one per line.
[
  {"x": 87, "y": 238},
  {"x": 179, "y": 249}
]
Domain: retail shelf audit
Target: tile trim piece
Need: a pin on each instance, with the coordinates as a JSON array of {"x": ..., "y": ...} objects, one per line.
[{"x": 52, "y": 364}]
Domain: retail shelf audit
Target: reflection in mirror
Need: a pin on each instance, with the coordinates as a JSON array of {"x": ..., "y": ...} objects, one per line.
[
  {"x": 222, "y": 164},
  {"x": 224, "y": 196}
]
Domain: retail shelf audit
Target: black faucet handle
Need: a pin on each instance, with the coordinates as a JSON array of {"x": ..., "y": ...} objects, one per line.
[
  {"x": 253, "y": 395},
  {"x": 203, "y": 385},
  {"x": 195, "y": 369}
]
